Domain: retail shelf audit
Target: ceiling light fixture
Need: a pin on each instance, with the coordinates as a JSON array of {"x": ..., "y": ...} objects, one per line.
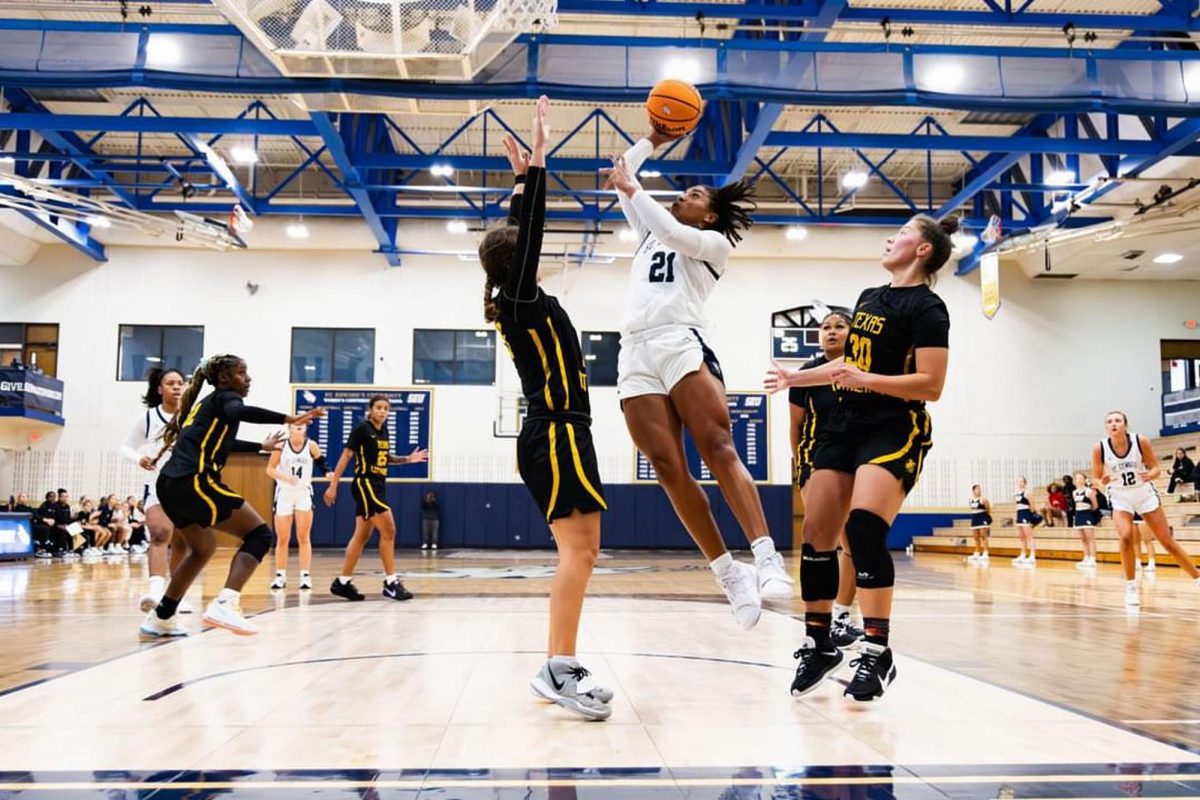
[
  {"x": 244, "y": 154},
  {"x": 855, "y": 179},
  {"x": 456, "y": 226},
  {"x": 796, "y": 233}
]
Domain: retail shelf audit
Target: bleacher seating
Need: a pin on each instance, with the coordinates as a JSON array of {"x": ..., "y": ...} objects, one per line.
[{"x": 1063, "y": 543}]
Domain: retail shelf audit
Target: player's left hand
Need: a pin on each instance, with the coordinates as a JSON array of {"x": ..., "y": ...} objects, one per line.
[
  {"x": 620, "y": 178},
  {"x": 541, "y": 126},
  {"x": 850, "y": 376},
  {"x": 518, "y": 158},
  {"x": 418, "y": 456},
  {"x": 777, "y": 378},
  {"x": 274, "y": 441},
  {"x": 1144, "y": 476},
  {"x": 306, "y": 417}
]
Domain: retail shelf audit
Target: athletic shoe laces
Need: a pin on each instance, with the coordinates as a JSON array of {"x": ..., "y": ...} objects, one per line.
[{"x": 866, "y": 663}]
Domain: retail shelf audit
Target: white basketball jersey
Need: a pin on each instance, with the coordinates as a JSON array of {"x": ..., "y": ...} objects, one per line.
[
  {"x": 666, "y": 287},
  {"x": 298, "y": 465},
  {"x": 1082, "y": 503},
  {"x": 145, "y": 439},
  {"x": 1123, "y": 470},
  {"x": 976, "y": 504}
]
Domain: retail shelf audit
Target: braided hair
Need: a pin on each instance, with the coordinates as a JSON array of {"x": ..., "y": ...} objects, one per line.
[
  {"x": 211, "y": 369},
  {"x": 733, "y": 204},
  {"x": 496, "y": 252}
]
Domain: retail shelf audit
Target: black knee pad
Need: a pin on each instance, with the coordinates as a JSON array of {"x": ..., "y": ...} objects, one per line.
[
  {"x": 818, "y": 574},
  {"x": 873, "y": 565},
  {"x": 258, "y": 542}
]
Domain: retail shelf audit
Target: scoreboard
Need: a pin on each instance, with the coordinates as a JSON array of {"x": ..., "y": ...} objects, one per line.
[
  {"x": 409, "y": 421},
  {"x": 748, "y": 413}
]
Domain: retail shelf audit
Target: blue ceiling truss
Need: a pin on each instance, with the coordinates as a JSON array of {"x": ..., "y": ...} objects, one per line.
[{"x": 777, "y": 57}]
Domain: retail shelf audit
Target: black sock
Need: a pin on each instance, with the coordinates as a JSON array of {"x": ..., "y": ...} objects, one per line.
[
  {"x": 166, "y": 607},
  {"x": 876, "y": 629},
  {"x": 816, "y": 625}
]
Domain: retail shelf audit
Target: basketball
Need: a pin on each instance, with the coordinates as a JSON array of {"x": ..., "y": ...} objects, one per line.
[{"x": 674, "y": 107}]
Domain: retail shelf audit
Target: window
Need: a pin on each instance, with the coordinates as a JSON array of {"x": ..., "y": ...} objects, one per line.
[
  {"x": 33, "y": 344},
  {"x": 600, "y": 350},
  {"x": 143, "y": 347},
  {"x": 462, "y": 357},
  {"x": 333, "y": 355}
]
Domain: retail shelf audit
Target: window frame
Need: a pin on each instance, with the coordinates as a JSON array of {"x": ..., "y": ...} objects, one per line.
[
  {"x": 162, "y": 332},
  {"x": 26, "y": 347},
  {"x": 456, "y": 360},
  {"x": 332, "y": 354}
]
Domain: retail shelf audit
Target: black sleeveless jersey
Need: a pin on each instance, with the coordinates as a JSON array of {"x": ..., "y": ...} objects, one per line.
[
  {"x": 372, "y": 446},
  {"x": 209, "y": 434}
]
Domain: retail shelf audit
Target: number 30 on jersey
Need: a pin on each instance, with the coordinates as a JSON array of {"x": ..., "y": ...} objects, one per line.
[{"x": 859, "y": 352}]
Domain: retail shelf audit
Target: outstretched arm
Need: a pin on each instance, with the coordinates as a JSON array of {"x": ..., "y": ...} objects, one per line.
[
  {"x": 698, "y": 244},
  {"x": 522, "y": 273}
]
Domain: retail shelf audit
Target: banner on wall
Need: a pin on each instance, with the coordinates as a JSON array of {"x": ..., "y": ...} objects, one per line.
[
  {"x": 410, "y": 422},
  {"x": 989, "y": 283},
  {"x": 751, "y": 437},
  {"x": 21, "y": 388}
]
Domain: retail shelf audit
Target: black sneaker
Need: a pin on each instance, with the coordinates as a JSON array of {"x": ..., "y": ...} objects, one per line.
[
  {"x": 396, "y": 591},
  {"x": 843, "y": 633},
  {"x": 813, "y": 667},
  {"x": 875, "y": 673},
  {"x": 347, "y": 590}
]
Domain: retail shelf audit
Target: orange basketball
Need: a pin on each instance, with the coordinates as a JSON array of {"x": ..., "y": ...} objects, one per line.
[{"x": 674, "y": 107}]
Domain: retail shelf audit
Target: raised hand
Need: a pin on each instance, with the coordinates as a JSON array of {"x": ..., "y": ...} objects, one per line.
[
  {"x": 306, "y": 417},
  {"x": 518, "y": 158},
  {"x": 777, "y": 378},
  {"x": 541, "y": 126},
  {"x": 620, "y": 177},
  {"x": 274, "y": 441},
  {"x": 418, "y": 455},
  {"x": 850, "y": 376}
]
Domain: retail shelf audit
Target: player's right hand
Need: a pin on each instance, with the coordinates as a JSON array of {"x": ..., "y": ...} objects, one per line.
[
  {"x": 147, "y": 463},
  {"x": 777, "y": 378},
  {"x": 518, "y": 158},
  {"x": 306, "y": 417},
  {"x": 331, "y": 495}
]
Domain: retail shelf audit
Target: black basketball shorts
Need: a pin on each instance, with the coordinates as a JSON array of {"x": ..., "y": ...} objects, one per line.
[
  {"x": 197, "y": 500},
  {"x": 369, "y": 494},
  {"x": 896, "y": 442},
  {"x": 557, "y": 462}
]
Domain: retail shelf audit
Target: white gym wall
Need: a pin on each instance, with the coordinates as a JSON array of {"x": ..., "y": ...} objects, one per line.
[{"x": 1025, "y": 392}]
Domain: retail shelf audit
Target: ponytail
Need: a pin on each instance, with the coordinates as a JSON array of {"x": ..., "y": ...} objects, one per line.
[
  {"x": 210, "y": 369},
  {"x": 491, "y": 312}
]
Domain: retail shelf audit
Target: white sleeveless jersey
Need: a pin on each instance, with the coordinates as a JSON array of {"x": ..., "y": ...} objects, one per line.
[
  {"x": 976, "y": 504},
  {"x": 145, "y": 439},
  {"x": 1123, "y": 470},
  {"x": 299, "y": 465},
  {"x": 675, "y": 266},
  {"x": 1082, "y": 503}
]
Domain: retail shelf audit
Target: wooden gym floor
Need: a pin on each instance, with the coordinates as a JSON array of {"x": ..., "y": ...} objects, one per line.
[{"x": 1011, "y": 683}]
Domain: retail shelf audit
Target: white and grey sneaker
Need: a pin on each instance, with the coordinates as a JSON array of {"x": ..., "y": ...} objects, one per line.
[
  {"x": 563, "y": 682},
  {"x": 773, "y": 581},
  {"x": 185, "y": 607},
  {"x": 1131, "y": 597},
  {"x": 740, "y": 585},
  {"x": 588, "y": 686},
  {"x": 149, "y": 601},
  {"x": 161, "y": 628},
  {"x": 280, "y": 581},
  {"x": 305, "y": 580},
  {"x": 228, "y": 615}
]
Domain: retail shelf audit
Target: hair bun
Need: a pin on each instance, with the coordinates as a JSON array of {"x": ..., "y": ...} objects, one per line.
[{"x": 949, "y": 225}]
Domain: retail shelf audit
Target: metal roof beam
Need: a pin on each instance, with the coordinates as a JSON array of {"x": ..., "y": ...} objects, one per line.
[
  {"x": 1168, "y": 19},
  {"x": 1066, "y": 145},
  {"x": 129, "y": 124},
  {"x": 352, "y": 183}
]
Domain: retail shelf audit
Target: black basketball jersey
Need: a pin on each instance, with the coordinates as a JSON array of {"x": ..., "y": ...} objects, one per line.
[
  {"x": 209, "y": 434},
  {"x": 890, "y": 323},
  {"x": 536, "y": 330},
  {"x": 818, "y": 403},
  {"x": 372, "y": 446}
]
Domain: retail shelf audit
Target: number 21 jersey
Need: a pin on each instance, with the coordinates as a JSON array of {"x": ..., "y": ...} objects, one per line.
[{"x": 890, "y": 323}]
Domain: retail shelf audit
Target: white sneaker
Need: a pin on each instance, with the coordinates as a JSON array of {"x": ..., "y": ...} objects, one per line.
[
  {"x": 1032, "y": 562},
  {"x": 228, "y": 615},
  {"x": 280, "y": 581},
  {"x": 1150, "y": 566},
  {"x": 1021, "y": 559},
  {"x": 773, "y": 581},
  {"x": 161, "y": 628},
  {"x": 433, "y": 546},
  {"x": 974, "y": 558},
  {"x": 740, "y": 585},
  {"x": 1131, "y": 596},
  {"x": 305, "y": 580},
  {"x": 983, "y": 560},
  {"x": 1082, "y": 564},
  {"x": 185, "y": 607},
  {"x": 149, "y": 601}
]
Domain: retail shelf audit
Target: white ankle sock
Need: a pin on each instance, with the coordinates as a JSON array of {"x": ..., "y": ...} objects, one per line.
[
  {"x": 395, "y": 576},
  {"x": 762, "y": 547},
  {"x": 343, "y": 579},
  {"x": 721, "y": 564},
  {"x": 157, "y": 584},
  {"x": 228, "y": 595},
  {"x": 840, "y": 611}
]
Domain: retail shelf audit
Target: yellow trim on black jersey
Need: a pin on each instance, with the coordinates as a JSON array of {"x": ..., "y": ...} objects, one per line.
[
  {"x": 579, "y": 468},
  {"x": 562, "y": 367},
  {"x": 217, "y": 446},
  {"x": 546, "y": 369},
  {"x": 553, "y": 470},
  {"x": 207, "y": 500},
  {"x": 204, "y": 444},
  {"x": 916, "y": 429}
]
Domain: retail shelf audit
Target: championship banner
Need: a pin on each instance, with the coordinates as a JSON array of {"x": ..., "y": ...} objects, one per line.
[
  {"x": 409, "y": 422},
  {"x": 21, "y": 388},
  {"x": 748, "y": 415},
  {"x": 989, "y": 283}
]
